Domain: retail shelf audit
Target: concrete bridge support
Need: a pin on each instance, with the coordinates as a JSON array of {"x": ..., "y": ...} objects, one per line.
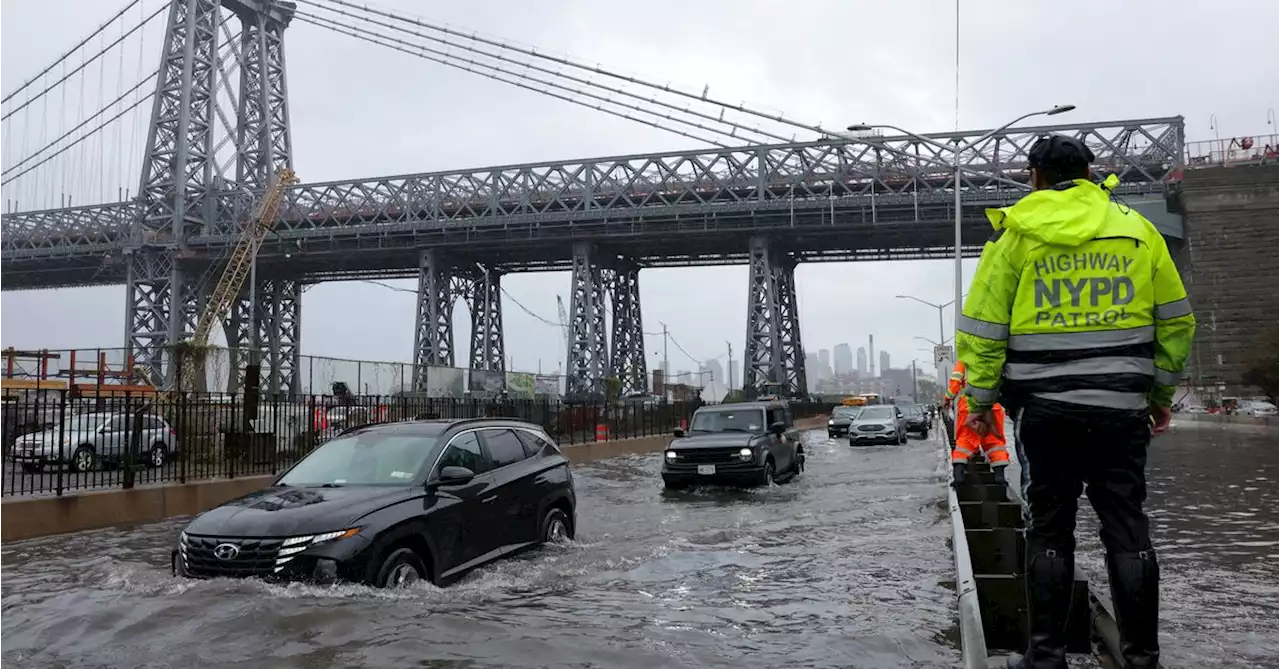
[{"x": 774, "y": 353}]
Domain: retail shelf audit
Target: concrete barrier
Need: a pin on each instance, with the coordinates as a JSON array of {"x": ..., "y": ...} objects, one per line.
[
  {"x": 29, "y": 517},
  {"x": 1235, "y": 419}
]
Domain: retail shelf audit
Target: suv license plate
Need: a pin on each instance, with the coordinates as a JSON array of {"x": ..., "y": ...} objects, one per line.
[{"x": 707, "y": 469}]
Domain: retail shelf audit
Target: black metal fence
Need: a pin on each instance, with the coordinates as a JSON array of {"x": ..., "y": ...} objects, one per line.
[{"x": 56, "y": 442}]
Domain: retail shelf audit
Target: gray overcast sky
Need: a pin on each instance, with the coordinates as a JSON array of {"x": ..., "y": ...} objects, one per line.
[{"x": 362, "y": 111}]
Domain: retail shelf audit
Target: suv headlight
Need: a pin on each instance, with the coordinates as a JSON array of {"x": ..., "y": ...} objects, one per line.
[
  {"x": 671, "y": 456},
  {"x": 831, "y": 421},
  {"x": 746, "y": 454}
]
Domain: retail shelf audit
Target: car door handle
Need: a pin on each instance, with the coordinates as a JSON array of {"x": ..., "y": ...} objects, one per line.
[{"x": 488, "y": 499}]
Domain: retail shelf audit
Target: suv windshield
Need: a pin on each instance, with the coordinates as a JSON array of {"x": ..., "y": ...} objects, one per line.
[
  {"x": 382, "y": 457},
  {"x": 846, "y": 411},
  {"x": 912, "y": 410},
  {"x": 722, "y": 420},
  {"x": 876, "y": 413}
]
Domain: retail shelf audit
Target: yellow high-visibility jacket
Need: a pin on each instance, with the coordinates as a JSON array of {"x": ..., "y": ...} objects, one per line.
[{"x": 1075, "y": 300}]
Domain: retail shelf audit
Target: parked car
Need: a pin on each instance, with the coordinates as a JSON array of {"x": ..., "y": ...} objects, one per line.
[
  {"x": 85, "y": 440},
  {"x": 883, "y": 424},
  {"x": 838, "y": 423},
  {"x": 917, "y": 420},
  {"x": 1257, "y": 408},
  {"x": 390, "y": 504},
  {"x": 749, "y": 443}
]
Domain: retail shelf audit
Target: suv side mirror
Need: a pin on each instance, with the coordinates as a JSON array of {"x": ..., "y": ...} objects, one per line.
[
  {"x": 678, "y": 432},
  {"x": 453, "y": 475},
  {"x": 777, "y": 427}
]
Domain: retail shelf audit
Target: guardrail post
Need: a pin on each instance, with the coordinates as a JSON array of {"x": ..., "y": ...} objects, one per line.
[{"x": 62, "y": 437}]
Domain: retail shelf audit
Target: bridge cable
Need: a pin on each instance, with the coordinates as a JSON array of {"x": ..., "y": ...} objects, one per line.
[
  {"x": 667, "y": 88},
  {"x": 778, "y": 118},
  {"x": 99, "y": 127},
  {"x": 556, "y": 73},
  {"x": 69, "y": 52},
  {"x": 82, "y": 124},
  {"x": 366, "y": 36},
  {"x": 67, "y": 75}
]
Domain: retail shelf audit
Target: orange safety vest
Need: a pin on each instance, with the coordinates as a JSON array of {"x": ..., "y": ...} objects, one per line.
[{"x": 968, "y": 441}]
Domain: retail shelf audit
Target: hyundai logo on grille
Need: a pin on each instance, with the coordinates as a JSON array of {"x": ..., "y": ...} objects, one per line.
[{"x": 226, "y": 551}]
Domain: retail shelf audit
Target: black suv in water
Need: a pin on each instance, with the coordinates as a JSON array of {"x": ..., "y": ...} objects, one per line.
[
  {"x": 749, "y": 443},
  {"x": 391, "y": 504},
  {"x": 917, "y": 419}
]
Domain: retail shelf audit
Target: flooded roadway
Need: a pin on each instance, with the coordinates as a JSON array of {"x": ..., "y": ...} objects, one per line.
[
  {"x": 841, "y": 569},
  {"x": 844, "y": 567}
]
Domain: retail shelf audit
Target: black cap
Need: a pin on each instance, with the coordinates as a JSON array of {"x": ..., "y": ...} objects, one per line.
[{"x": 1060, "y": 152}]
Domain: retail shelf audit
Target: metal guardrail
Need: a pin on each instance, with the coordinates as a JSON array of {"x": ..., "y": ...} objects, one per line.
[
  {"x": 1246, "y": 150},
  {"x": 973, "y": 641}
]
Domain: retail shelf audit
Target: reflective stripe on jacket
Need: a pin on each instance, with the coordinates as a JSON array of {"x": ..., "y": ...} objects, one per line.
[{"x": 1075, "y": 300}]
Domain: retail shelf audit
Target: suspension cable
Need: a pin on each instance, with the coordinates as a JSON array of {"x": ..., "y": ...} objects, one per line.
[
  {"x": 81, "y": 139},
  {"x": 84, "y": 64},
  {"x": 377, "y": 40},
  {"x": 778, "y": 118},
  {"x": 538, "y": 68},
  {"x": 69, "y": 52},
  {"x": 82, "y": 124}
]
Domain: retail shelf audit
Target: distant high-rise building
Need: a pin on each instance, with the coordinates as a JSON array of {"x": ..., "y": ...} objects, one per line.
[
  {"x": 824, "y": 357},
  {"x": 716, "y": 372},
  {"x": 843, "y": 360},
  {"x": 884, "y": 362},
  {"x": 862, "y": 361},
  {"x": 871, "y": 355}
]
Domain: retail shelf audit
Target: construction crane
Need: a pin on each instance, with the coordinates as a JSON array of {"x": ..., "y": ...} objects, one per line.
[{"x": 238, "y": 267}]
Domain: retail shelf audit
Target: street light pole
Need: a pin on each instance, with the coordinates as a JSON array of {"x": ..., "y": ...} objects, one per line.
[{"x": 957, "y": 151}]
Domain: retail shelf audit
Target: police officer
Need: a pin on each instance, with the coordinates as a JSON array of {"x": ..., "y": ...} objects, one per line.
[{"x": 1078, "y": 317}]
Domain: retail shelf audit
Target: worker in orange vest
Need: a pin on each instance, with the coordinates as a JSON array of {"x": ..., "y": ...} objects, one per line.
[{"x": 968, "y": 440}]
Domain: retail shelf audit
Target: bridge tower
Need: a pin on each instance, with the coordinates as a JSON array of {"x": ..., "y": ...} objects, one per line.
[
  {"x": 598, "y": 278},
  {"x": 181, "y": 185},
  {"x": 774, "y": 353},
  {"x": 441, "y": 282}
]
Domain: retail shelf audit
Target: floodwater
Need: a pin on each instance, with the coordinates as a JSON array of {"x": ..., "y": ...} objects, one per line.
[
  {"x": 842, "y": 568},
  {"x": 1213, "y": 505}
]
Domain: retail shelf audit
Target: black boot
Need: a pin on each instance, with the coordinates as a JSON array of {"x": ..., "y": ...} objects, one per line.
[
  {"x": 997, "y": 474},
  {"x": 1135, "y": 594},
  {"x": 1050, "y": 576},
  {"x": 957, "y": 474}
]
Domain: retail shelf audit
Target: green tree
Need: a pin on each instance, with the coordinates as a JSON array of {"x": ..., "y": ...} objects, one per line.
[
  {"x": 612, "y": 388},
  {"x": 1263, "y": 368}
]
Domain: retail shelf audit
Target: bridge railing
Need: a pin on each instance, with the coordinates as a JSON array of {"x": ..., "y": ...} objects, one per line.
[{"x": 1247, "y": 150}]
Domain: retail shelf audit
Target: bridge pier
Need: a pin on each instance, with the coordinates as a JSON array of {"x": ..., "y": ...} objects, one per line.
[
  {"x": 440, "y": 283},
  {"x": 774, "y": 353},
  {"x": 627, "y": 363},
  {"x": 588, "y": 340}
]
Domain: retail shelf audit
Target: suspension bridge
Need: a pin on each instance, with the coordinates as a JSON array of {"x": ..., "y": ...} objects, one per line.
[{"x": 120, "y": 172}]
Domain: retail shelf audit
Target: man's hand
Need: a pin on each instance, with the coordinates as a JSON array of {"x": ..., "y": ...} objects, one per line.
[
  {"x": 946, "y": 403},
  {"x": 1160, "y": 417},
  {"x": 983, "y": 423}
]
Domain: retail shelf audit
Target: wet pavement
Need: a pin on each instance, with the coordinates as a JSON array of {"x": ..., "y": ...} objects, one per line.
[
  {"x": 1213, "y": 505},
  {"x": 844, "y": 567}
]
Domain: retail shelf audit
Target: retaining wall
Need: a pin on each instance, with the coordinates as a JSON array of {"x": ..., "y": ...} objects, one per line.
[{"x": 25, "y": 518}]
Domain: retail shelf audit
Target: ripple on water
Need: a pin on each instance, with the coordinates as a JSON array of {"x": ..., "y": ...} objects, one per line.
[{"x": 841, "y": 568}]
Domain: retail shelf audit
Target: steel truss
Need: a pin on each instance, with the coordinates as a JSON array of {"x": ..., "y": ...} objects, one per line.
[
  {"x": 889, "y": 171},
  {"x": 441, "y": 282},
  {"x": 627, "y": 363},
  {"x": 588, "y": 352},
  {"x": 774, "y": 353},
  {"x": 183, "y": 193}
]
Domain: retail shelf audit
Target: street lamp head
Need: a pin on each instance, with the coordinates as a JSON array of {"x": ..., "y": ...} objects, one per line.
[
  {"x": 858, "y": 127},
  {"x": 1060, "y": 109}
]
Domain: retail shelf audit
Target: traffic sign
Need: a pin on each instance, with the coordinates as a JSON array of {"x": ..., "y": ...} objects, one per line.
[{"x": 943, "y": 354}]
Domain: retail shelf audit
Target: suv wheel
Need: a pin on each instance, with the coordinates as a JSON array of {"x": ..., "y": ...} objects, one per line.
[
  {"x": 402, "y": 568},
  {"x": 766, "y": 477},
  {"x": 556, "y": 527}
]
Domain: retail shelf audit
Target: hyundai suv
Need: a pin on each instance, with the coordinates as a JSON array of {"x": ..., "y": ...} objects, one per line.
[{"x": 391, "y": 504}]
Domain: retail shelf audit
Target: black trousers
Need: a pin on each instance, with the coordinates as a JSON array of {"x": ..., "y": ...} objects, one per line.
[{"x": 1064, "y": 451}]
